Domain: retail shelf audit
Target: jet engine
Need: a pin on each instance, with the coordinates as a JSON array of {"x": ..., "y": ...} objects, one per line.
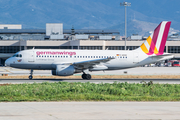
[{"x": 63, "y": 70}]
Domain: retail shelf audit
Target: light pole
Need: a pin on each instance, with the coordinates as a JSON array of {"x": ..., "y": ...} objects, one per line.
[{"x": 125, "y": 4}]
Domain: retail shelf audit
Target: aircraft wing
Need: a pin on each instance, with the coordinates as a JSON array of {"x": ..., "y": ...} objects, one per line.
[{"x": 90, "y": 63}]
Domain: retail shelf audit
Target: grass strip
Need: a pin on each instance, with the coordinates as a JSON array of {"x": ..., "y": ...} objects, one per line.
[
  {"x": 65, "y": 91},
  {"x": 125, "y": 76}
]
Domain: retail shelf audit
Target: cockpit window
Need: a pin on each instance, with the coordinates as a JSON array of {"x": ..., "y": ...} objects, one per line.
[{"x": 17, "y": 55}]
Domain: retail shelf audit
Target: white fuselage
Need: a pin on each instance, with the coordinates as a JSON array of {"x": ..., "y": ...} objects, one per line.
[
  {"x": 46, "y": 59},
  {"x": 68, "y": 62}
]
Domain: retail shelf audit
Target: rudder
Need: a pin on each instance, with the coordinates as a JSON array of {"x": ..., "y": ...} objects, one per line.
[{"x": 155, "y": 43}]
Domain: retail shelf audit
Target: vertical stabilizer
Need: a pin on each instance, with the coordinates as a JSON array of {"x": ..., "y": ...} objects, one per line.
[{"x": 155, "y": 43}]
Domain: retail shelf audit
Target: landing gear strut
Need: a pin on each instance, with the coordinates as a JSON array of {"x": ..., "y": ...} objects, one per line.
[
  {"x": 86, "y": 76},
  {"x": 30, "y": 76}
]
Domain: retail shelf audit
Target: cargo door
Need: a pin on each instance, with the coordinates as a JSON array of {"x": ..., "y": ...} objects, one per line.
[
  {"x": 31, "y": 56},
  {"x": 135, "y": 58}
]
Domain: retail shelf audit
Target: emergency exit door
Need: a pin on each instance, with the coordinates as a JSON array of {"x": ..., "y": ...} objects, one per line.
[{"x": 135, "y": 58}]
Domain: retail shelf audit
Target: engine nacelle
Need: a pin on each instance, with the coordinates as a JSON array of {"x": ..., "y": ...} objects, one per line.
[{"x": 63, "y": 70}]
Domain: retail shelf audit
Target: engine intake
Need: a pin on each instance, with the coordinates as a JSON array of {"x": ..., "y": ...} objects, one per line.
[{"x": 63, "y": 70}]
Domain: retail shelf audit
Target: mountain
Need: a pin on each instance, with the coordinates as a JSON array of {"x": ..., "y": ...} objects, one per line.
[
  {"x": 142, "y": 15},
  {"x": 135, "y": 27}
]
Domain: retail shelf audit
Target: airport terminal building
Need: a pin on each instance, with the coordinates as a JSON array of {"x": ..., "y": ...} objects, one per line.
[{"x": 13, "y": 39}]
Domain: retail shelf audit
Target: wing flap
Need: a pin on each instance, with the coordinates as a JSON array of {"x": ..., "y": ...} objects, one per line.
[{"x": 90, "y": 63}]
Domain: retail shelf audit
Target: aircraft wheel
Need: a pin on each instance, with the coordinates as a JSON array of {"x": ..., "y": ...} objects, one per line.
[
  {"x": 83, "y": 76},
  {"x": 88, "y": 76},
  {"x": 30, "y": 77}
]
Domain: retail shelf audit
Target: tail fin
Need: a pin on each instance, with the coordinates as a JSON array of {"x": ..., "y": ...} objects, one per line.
[{"x": 155, "y": 43}]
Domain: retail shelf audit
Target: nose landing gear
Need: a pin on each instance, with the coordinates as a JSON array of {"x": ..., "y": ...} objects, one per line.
[{"x": 30, "y": 76}]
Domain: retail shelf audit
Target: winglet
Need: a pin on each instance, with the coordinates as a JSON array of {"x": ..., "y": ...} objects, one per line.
[{"x": 155, "y": 43}]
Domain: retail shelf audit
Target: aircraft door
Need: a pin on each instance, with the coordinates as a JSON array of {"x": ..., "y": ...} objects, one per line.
[
  {"x": 31, "y": 56},
  {"x": 135, "y": 58}
]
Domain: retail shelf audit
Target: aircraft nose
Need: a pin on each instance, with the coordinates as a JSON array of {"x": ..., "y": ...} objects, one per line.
[{"x": 7, "y": 62}]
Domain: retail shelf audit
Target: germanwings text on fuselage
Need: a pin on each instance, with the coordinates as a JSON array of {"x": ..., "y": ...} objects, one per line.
[{"x": 55, "y": 53}]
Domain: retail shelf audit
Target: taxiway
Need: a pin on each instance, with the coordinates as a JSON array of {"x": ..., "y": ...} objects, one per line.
[
  {"x": 89, "y": 110},
  {"x": 21, "y": 81}
]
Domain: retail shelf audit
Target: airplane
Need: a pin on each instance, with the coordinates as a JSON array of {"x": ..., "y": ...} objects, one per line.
[{"x": 69, "y": 62}]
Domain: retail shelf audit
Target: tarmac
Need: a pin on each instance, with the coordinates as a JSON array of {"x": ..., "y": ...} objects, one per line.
[
  {"x": 96, "y": 81},
  {"x": 130, "y": 71},
  {"x": 89, "y": 110}
]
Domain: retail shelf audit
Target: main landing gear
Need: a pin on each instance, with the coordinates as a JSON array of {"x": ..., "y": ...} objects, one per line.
[
  {"x": 30, "y": 76},
  {"x": 86, "y": 76}
]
